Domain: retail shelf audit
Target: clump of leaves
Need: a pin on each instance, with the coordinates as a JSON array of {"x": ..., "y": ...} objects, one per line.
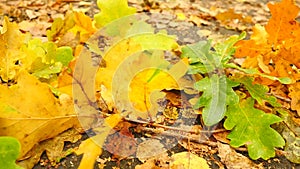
[
  {"x": 270, "y": 56},
  {"x": 273, "y": 49},
  {"x": 217, "y": 88},
  {"x": 218, "y": 98},
  {"x": 42, "y": 59}
]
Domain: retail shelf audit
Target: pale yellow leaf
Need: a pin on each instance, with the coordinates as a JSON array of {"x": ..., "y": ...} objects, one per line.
[{"x": 186, "y": 160}]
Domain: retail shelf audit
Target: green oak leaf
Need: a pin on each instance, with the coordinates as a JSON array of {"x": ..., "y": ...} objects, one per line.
[
  {"x": 64, "y": 55},
  {"x": 217, "y": 94},
  {"x": 200, "y": 57},
  {"x": 226, "y": 49},
  {"x": 258, "y": 91},
  {"x": 217, "y": 89},
  {"x": 251, "y": 127},
  {"x": 111, "y": 10},
  {"x": 9, "y": 152},
  {"x": 254, "y": 71}
]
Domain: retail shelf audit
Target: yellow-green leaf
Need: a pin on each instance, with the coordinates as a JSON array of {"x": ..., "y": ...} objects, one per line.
[{"x": 112, "y": 10}]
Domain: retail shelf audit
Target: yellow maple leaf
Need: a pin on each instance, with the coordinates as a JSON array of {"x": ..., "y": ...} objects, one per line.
[{"x": 31, "y": 113}]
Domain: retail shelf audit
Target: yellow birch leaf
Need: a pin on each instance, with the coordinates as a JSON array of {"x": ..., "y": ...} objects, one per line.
[{"x": 31, "y": 113}]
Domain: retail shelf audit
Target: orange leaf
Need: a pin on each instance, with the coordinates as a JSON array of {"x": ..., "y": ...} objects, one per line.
[
  {"x": 294, "y": 94},
  {"x": 274, "y": 49}
]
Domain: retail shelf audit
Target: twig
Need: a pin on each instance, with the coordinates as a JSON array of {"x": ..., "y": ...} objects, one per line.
[{"x": 174, "y": 128}]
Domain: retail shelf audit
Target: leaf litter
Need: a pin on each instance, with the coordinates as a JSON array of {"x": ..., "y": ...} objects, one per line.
[{"x": 70, "y": 34}]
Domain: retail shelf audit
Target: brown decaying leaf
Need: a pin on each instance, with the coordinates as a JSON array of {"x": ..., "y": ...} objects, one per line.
[
  {"x": 234, "y": 160},
  {"x": 122, "y": 143},
  {"x": 150, "y": 149},
  {"x": 31, "y": 113}
]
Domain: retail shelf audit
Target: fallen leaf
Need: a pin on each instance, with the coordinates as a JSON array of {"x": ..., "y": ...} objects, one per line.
[
  {"x": 222, "y": 137},
  {"x": 149, "y": 149},
  {"x": 92, "y": 147},
  {"x": 76, "y": 28},
  {"x": 31, "y": 119},
  {"x": 186, "y": 160},
  {"x": 122, "y": 143},
  {"x": 273, "y": 48},
  {"x": 294, "y": 93},
  {"x": 234, "y": 160},
  {"x": 137, "y": 61},
  {"x": 36, "y": 29},
  {"x": 54, "y": 148},
  {"x": 257, "y": 135},
  {"x": 258, "y": 92},
  {"x": 111, "y": 10},
  {"x": 10, "y": 49},
  {"x": 291, "y": 132},
  {"x": 229, "y": 15}
]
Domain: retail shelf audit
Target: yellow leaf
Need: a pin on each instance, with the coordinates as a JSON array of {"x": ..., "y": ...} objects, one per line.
[
  {"x": 83, "y": 24},
  {"x": 92, "y": 147},
  {"x": 11, "y": 39},
  {"x": 90, "y": 151},
  {"x": 29, "y": 111},
  {"x": 54, "y": 148},
  {"x": 180, "y": 16},
  {"x": 75, "y": 28},
  {"x": 131, "y": 76},
  {"x": 112, "y": 10},
  {"x": 185, "y": 160}
]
